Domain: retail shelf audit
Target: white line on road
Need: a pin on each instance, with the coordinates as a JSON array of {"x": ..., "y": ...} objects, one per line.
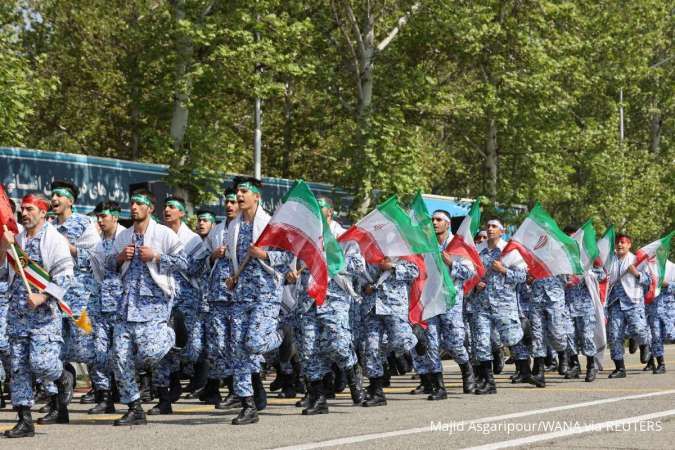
[
  {"x": 610, "y": 425},
  {"x": 390, "y": 434}
]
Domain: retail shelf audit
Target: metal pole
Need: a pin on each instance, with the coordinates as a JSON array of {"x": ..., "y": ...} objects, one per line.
[{"x": 257, "y": 138}]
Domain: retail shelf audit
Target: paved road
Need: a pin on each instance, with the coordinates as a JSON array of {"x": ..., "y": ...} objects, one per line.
[{"x": 636, "y": 412}]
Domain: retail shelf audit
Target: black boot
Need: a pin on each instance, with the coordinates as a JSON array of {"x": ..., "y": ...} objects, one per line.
[
  {"x": 563, "y": 365},
  {"x": 259, "y": 394},
  {"x": 386, "y": 377},
  {"x": 199, "y": 378},
  {"x": 488, "y": 386},
  {"x": 146, "y": 387},
  {"x": 354, "y": 381},
  {"x": 375, "y": 393},
  {"x": 439, "y": 392},
  {"x": 550, "y": 362},
  {"x": 574, "y": 369},
  {"x": 175, "y": 388},
  {"x": 620, "y": 371},
  {"x": 59, "y": 402},
  {"x": 288, "y": 388},
  {"x": 539, "y": 373},
  {"x": 317, "y": 400},
  {"x": 661, "y": 368},
  {"x": 425, "y": 385},
  {"x": 2, "y": 398},
  {"x": 278, "y": 381},
  {"x": 89, "y": 397},
  {"x": 477, "y": 374},
  {"x": 517, "y": 377},
  {"x": 24, "y": 427},
  {"x": 497, "y": 361},
  {"x": 164, "y": 405},
  {"x": 134, "y": 416},
  {"x": 105, "y": 404},
  {"x": 591, "y": 370},
  {"x": 650, "y": 365},
  {"x": 645, "y": 353},
  {"x": 340, "y": 379},
  {"x": 468, "y": 379},
  {"x": 231, "y": 401},
  {"x": 248, "y": 413},
  {"x": 211, "y": 392},
  {"x": 298, "y": 378},
  {"x": 632, "y": 346},
  {"x": 329, "y": 385},
  {"x": 286, "y": 348}
]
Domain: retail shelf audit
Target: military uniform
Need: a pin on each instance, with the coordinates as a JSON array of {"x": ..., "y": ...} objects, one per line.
[{"x": 548, "y": 316}]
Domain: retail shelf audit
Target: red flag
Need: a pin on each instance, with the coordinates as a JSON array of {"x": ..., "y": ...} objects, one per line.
[{"x": 6, "y": 215}]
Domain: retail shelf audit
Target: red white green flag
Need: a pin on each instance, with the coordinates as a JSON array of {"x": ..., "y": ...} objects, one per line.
[
  {"x": 606, "y": 253},
  {"x": 585, "y": 237},
  {"x": 656, "y": 256},
  {"x": 547, "y": 251},
  {"x": 462, "y": 245},
  {"x": 299, "y": 227}
]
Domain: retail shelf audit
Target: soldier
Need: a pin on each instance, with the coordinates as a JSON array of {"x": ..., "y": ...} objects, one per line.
[
  {"x": 107, "y": 215},
  {"x": 145, "y": 256},
  {"x": 83, "y": 292},
  {"x": 34, "y": 320},
  {"x": 660, "y": 314},
  {"x": 625, "y": 303},
  {"x": 257, "y": 289},
  {"x": 386, "y": 311},
  {"x": 495, "y": 305},
  {"x": 185, "y": 307}
]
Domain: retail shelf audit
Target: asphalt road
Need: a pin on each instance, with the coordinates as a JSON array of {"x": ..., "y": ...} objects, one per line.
[{"x": 635, "y": 412}]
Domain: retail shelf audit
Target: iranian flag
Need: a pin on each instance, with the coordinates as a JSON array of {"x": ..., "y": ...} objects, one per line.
[
  {"x": 585, "y": 237},
  {"x": 547, "y": 251},
  {"x": 7, "y": 218},
  {"x": 386, "y": 232},
  {"x": 462, "y": 245},
  {"x": 606, "y": 253},
  {"x": 299, "y": 227},
  {"x": 655, "y": 255},
  {"x": 437, "y": 293}
]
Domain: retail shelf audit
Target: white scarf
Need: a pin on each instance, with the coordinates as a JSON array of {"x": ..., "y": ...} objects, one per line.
[
  {"x": 260, "y": 221},
  {"x": 193, "y": 246},
  {"x": 618, "y": 271},
  {"x": 98, "y": 256}
]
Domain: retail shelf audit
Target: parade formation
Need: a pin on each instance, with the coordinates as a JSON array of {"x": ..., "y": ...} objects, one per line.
[{"x": 150, "y": 306}]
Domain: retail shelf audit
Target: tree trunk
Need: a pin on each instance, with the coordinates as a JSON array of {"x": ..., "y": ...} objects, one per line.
[
  {"x": 183, "y": 83},
  {"x": 491, "y": 157},
  {"x": 656, "y": 131},
  {"x": 287, "y": 154}
]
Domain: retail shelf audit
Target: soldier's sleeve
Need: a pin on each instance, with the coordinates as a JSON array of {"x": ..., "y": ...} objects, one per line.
[
  {"x": 462, "y": 271},
  {"x": 515, "y": 275},
  {"x": 670, "y": 290},
  {"x": 355, "y": 264},
  {"x": 645, "y": 278},
  {"x": 405, "y": 271},
  {"x": 172, "y": 258},
  {"x": 279, "y": 258},
  {"x": 198, "y": 261},
  {"x": 599, "y": 273}
]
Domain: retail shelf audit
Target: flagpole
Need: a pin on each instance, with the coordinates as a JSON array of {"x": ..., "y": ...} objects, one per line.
[{"x": 17, "y": 262}]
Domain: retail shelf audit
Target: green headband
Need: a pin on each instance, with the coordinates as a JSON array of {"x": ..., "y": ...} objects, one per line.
[
  {"x": 141, "y": 199},
  {"x": 231, "y": 198},
  {"x": 324, "y": 204},
  {"x": 248, "y": 186},
  {"x": 63, "y": 192},
  {"x": 108, "y": 212},
  {"x": 176, "y": 204},
  {"x": 207, "y": 216}
]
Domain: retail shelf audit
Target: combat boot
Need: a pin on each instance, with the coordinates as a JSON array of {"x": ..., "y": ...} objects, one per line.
[
  {"x": 278, "y": 381},
  {"x": 550, "y": 362},
  {"x": 89, "y": 397},
  {"x": 317, "y": 400},
  {"x": 563, "y": 365},
  {"x": 517, "y": 377},
  {"x": 425, "y": 385},
  {"x": 439, "y": 392},
  {"x": 375, "y": 393},
  {"x": 661, "y": 368},
  {"x": 134, "y": 416},
  {"x": 211, "y": 392},
  {"x": 340, "y": 379},
  {"x": 248, "y": 413},
  {"x": 2, "y": 398},
  {"x": 632, "y": 346},
  {"x": 538, "y": 381},
  {"x": 164, "y": 405},
  {"x": 575, "y": 368},
  {"x": 539, "y": 373},
  {"x": 591, "y": 370},
  {"x": 231, "y": 401},
  {"x": 620, "y": 371},
  {"x": 497, "y": 361},
  {"x": 259, "y": 394},
  {"x": 59, "y": 402},
  {"x": 199, "y": 378},
  {"x": 355, "y": 383},
  {"x": 468, "y": 380},
  {"x": 146, "y": 387},
  {"x": 329, "y": 384},
  {"x": 650, "y": 365},
  {"x": 105, "y": 404},
  {"x": 24, "y": 427},
  {"x": 645, "y": 353},
  {"x": 175, "y": 388},
  {"x": 488, "y": 386}
]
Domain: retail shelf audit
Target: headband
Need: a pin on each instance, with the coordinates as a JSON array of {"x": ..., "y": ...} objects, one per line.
[
  {"x": 108, "y": 212},
  {"x": 624, "y": 238},
  {"x": 324, "y": 204},
  {"x": 141, "y": 199},
  {"x": 38, "y": 202},
  {"x": 248, "y": 186},
  {"x": 176, "y": 204},
  {"x": 63, "y": 192},
  {"x": 496, "y": 223},
  {"x": 442, "y": 215},
  {"x": 207, "y": 216},
  {"x": 231, "y": 198}
]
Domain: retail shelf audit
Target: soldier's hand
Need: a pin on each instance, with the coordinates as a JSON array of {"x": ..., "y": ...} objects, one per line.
[
  {"x": 218, "y": 253},
  {"x": 126, "y": 254},
  {"x": 498, "y": 266},
  {"x": 481, "y": 285},
  {"x": 230, "y": 282},
  {"x": 7, "y": 239},
  {"x": 386, "y": 264},
  {"x": 147, "y": 253},
  {"x": 447, "y": 259},
  {"x": 292, "y": 276},
  {"x": 633, "y": 271},
  {"x": 530, "y": 279},
  {"x": 368, "y": 289},
  {"x": 257, "y": 252},
  {"x": 35, "y": 300},
  {"x": 73, "y": 250}
]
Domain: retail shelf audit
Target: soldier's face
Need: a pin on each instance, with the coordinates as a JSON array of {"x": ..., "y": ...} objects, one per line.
[
  {"x": 140, "y": 211},
  {"x": 623, "y": 246},
  {"x": 172, "y": 214},
  {"x": 60, "y": 204},
  {"x": 327, "y": 213},
  {"x": 440, "y": 225},
  {"x": 231, "y": 209},
  {"x": 106, "y": 222},
  {"x": 494, "y": 232},
  {"x": 31, "y": 216},
  {"x": 203, "y": 227},
  {"x": 247, "y": 200}
]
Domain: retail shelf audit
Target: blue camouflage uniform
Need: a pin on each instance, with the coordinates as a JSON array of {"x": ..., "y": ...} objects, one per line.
[
  {"x": 141, "y": 336},
  {"x": 83, "y": 293},
  {"x": 626, "y": 317},
  {"x": 521, "y": 350},
  {"x": 496, "y": 307},
  {"x": 548, "y": 315},
  {"x": 4, "y": 339},
  {"x": 325, "y": 332},
  {"x": 255, "y": 312},
  {"x": 35, "y": 337},
  {"x": 387, "y": 312},
  {"x": 582, "y": 312},
  {"x": 661, "y": 318},
  {"x": 219, "y": 316}
]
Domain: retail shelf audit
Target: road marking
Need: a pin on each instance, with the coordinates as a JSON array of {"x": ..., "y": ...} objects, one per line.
[
  {"x": 425, "y": 429},
  {"x": 598, "y": 427}
]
